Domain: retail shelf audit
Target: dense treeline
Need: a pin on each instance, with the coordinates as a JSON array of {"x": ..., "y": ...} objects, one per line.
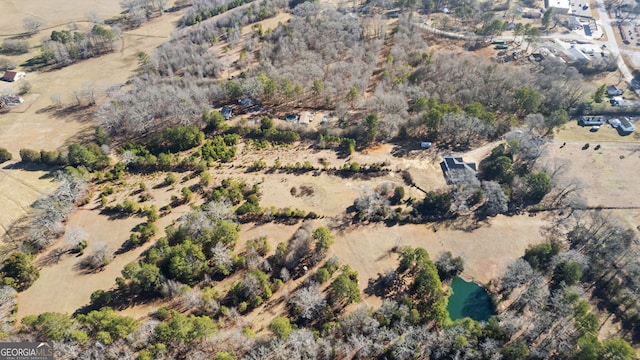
[
  {"x": 412, "y": 96},
  {"x": 204, "y": 9}
]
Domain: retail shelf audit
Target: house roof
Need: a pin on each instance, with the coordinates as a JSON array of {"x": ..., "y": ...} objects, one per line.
[
  {"x": 558, "y": 4},
  {"x": 591, "y": 120},
  {"x": 626, "y": 125},
  {"x": 226, "y": 112},
  {"x": 573, "y": 21},
  {"x": 455, "y": 168},
  {"x": 456, "y": 162},
  {"x": 578, "y": 55}
]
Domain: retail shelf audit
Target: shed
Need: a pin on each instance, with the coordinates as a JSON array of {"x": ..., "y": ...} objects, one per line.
[
  {"x": 613, "y": 90},
  {"x": 292, "y": 118},
  {"x": 579, "y": 55},
  {"x": 12, "y": 76},
  {"x": 227, "y": 112}
]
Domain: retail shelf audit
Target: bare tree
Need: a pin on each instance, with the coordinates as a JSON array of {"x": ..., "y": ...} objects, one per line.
[
  {"x": 496, "y": 201},
  {"x": 99, "y": 259},
  {"x": 32, "y": 24},
  {"x": 222, "y": 259},
  {"x": 518, "y": 273},
  {"x": 371, "y": 206},
  {"x": 308, "y": 302},
  {"x": 94, "y": 17},
  {"x": 535, "y": 123},
  {"x": 74, "y": 236},
  {"x": 7, "y": 304}
]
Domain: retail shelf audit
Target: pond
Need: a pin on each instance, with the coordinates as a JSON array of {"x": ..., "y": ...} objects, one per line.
[{"x": 469, "y": 300}]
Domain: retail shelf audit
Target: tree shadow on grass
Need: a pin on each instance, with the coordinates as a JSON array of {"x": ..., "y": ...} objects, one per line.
[{"x": 52, "y": 257}]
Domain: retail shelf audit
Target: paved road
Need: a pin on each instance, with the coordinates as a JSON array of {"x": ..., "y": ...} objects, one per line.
[{"x": 611, "y": 43}]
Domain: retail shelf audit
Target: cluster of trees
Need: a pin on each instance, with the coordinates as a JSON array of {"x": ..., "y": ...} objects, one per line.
[
  {"x": 104, "y": 325},
  {"x": 512, "y": 166},
  {"x": 18, "y": 272},
  {"x": 548, "y": 303},
  {"x": 51, "y": 211},
  {"x": 14, "y": 47},
  {"x": 546, "y": 314},
  {"x": 612, "y": 252},
  {"x": 408, "y": 100},
  {"x": 137, "y": 12},
  {"x": 91, "y": 156},
  {"x": 65, "y": 47},
  {"x": 204, "y": 9}
]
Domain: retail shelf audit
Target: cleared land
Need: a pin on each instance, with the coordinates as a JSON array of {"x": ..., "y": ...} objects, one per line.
[
  {"x": 367, "y": 248},
  {"x": 40, "y": 125},
  {"x": 53, "y": 13}
]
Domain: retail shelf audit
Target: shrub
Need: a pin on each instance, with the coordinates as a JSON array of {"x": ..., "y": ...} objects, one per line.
[
  {"x": 322, "y": 276},
  {"x": 7, "y": 64},
  {"x": 281, "y": 327},
  {"x": 5, "y": 155},
  {"x": 170, "y": 179},
  {"x": 18, "y": 272},
  {"x": 29, "y": 156},
  {"x": 15, "y": 47},
  {"x": 100, "y": 298}
]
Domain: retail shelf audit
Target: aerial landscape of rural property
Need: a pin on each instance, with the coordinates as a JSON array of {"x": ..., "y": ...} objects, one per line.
[{"x": 328, "y": 179}]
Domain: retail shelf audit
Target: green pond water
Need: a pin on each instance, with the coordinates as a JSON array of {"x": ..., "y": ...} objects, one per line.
[{"x": 469, "y": 300}]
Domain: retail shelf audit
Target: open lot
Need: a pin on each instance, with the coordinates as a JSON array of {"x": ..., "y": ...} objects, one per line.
[
  {"x": 18, "y": 190},
  {"x": 367, "y": 249},
  {"x": 53, "y": 13},
  {"x": 40, "y": 125}
]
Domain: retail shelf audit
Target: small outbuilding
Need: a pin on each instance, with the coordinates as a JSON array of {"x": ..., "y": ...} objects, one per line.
[
  {"x": 227, "y": 112},
  {"x": 613, "y": 90},
  {"x": 292, "y": 118},
  {"x": 12, "y": 76}
]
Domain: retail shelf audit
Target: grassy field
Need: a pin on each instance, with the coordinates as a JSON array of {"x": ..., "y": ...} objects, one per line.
[
  {"x": 605, "y": 175},
  {"x": 38, "y": 124},
  {"x": 53, "y": 13}
]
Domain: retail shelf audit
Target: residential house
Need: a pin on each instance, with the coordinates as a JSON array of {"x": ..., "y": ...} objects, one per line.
[
  {"x": 573, "y": 23},
  {"x": 456, "y": 170},
  {"x": 591, "y": 120},
  {"x": 626, "y": 127}
]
